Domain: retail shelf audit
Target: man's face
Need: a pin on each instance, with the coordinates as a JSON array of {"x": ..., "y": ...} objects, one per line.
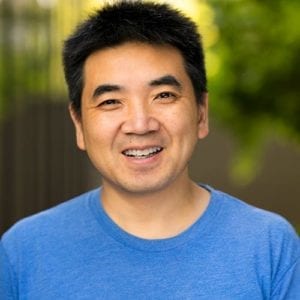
[{"x": 139, "y": 118}]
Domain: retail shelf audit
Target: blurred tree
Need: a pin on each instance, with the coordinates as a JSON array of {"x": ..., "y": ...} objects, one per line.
[
  {"x": 255, "y": 91},
  {"x": 31, "y": 37}
]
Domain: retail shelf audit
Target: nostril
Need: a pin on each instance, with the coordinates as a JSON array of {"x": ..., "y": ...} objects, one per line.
[{"x": 140, "y": 125}]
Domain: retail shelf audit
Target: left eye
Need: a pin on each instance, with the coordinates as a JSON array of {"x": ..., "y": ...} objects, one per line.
[{"x": 165, "y": 95}]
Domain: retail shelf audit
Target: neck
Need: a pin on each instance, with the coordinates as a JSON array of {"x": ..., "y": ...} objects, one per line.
[{"x": 156, "y": 215}]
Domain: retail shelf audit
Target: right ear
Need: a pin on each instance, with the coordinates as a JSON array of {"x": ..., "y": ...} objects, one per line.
[{"x": 76, "y": 118}]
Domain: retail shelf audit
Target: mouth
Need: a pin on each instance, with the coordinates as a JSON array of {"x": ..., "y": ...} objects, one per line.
[{"x": 142, "y": 154}]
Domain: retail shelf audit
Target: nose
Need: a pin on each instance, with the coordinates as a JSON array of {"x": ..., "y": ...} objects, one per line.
[{"x": 139, "y": 120}]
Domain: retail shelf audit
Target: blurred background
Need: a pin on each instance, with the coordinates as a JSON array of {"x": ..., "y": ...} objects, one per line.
[{"x": 253, "y": 63}]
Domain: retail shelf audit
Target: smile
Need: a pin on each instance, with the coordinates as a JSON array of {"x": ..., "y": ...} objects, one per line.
[{"x": 145, "y": 153}]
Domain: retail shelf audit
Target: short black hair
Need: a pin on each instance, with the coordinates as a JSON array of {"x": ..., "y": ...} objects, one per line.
[{"x": 133, "y": 21}]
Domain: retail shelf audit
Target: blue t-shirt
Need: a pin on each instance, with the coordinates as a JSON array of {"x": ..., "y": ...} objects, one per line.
[{"x": 75, "y": 251}]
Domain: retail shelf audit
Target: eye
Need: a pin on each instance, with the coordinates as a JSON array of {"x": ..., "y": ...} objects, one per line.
[
  {"x": 109, "y": 103},
  {"x": 166, "y": 96}
]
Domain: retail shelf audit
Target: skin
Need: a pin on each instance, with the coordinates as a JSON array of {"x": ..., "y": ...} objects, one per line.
[{"x": 138, "y": 97}]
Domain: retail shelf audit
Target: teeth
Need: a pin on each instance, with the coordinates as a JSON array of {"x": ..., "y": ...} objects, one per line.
[{"x": 142, "y": 153}]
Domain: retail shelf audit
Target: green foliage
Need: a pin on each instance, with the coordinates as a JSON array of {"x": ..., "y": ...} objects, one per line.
[
  {"x": 24, "y": 55},
  {"x": 256, "y": 91}
]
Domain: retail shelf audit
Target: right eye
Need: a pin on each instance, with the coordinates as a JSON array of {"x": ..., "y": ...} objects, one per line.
[{"x": 109, "y": 102}]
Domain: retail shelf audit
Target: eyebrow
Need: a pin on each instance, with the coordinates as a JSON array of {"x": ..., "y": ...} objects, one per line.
[
  {"x": 106, "y": 88},
  {"x": 166, "y": 80}
]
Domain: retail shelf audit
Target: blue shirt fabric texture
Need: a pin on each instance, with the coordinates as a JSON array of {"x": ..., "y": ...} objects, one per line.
[{"x": 75, "y": 251}]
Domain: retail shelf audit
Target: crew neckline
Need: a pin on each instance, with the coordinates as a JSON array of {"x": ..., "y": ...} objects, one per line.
[{"x": 132, "y": 241}]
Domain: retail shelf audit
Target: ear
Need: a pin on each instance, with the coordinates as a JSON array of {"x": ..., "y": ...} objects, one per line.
[
  {"x": 76, "y": 118},
  {"x": 203, "y": 127}
]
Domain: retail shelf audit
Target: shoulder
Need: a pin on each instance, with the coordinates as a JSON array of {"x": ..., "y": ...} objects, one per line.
[
  {"x": 264, "y": 238},
  {"x": 254, "y": 225},
  {"x": 237, "y": 210},
  {"x": 60, "y": 218},
  {"x": 264, "y": 230}
]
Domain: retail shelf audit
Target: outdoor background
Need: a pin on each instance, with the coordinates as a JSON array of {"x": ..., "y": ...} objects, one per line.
[{"x": 253, "y": 62}]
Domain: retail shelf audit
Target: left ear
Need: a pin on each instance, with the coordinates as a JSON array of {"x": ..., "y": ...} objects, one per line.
[{"x": 203, "y": 127}]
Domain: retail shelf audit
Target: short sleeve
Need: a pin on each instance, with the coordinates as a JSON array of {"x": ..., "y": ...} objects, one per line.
[
  {"x": 289, "y": 286},
  {"x": 286, "y": 285},
  {"x": 7, "y": 284}
]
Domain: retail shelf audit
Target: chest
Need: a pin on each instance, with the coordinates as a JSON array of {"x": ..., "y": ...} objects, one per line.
[{"x": 117, "y": 272}]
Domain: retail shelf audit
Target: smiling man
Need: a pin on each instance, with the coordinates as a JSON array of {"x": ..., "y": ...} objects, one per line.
[
  {"x": 133, "y": 129},
  {"x": 139, "y": 103}
]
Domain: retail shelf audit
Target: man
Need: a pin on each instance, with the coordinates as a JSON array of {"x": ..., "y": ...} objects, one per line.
[{"x": 137, "y": 86}]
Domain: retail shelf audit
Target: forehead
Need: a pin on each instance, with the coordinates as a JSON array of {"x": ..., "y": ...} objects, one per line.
[
  {"x": 138, "y": 61},
  {"x": 127, "y": 48}
]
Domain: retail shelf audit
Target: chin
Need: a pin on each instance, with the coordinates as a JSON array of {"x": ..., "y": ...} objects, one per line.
[{"x": 142, "y": 187}]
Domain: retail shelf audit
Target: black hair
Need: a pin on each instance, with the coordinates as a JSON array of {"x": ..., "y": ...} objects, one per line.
[{"x": 126, "y": 21}]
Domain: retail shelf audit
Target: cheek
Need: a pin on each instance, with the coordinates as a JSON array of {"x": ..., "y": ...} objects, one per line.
[
  {"x": 100, "y": 130},
  {"x": 183, "y": 132},
  {"x": 183, "y": 121}
]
